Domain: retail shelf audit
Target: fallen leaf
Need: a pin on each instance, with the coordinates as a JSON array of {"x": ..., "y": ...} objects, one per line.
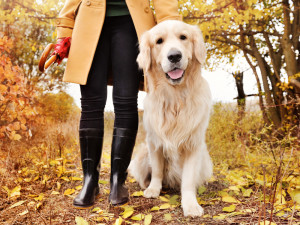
[
  {"x": 76, "y": 178},
  {"x": 80, "y": 221},
  {"x": 148, "y": 219},
  {"x": 234, "y": 188},
  {"x": 229, "y": 199},
  {"x": 54, "y": 193},
  {"x": 165, "y": 206},
  {"x": 38, "y": 205},
  {"x": 17, "y": 204},
  {"x": 103, "y": 182},
  {"x": 128, "y": 211},
  {"x": 119, "y": 221},
  {"x": 267, "y": 223},
  {"x": 137, "y": 193},
  {"x": 15, "y": 192},
  {"x": 295, "y": 194},
  {"x": 40, "y": 197},
  {"x": 138, "y": 217},
  {"x": 168, "y": 217},
  {"x": 220, "y": 217},
  {"x": 79, "y": 187},
  {"x": 154, "y": 208},
  {"x": 164, "y": 199},
  {"x": 23, "y": 213},
  {"x": 247, "y": 192},
  {"x": 69, "y": 191},
  {"x": 230, "y": 208},
  {"x": 201, "y": 190},
  {"x": 173, "y": 200}
]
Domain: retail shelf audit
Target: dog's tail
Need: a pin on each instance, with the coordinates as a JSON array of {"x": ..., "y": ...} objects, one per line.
[{"x": 140, "y": 167}]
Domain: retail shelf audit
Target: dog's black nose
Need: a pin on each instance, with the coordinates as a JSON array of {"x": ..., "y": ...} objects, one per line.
[{"x": 174, "y": 56}]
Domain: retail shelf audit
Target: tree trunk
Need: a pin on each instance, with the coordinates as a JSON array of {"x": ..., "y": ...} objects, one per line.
[
  {"x": 241, "y": 98},
  {"x": 271, "y": 111}
]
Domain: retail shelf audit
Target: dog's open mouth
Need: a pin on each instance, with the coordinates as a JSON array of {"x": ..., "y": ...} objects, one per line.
[{"x": 175, "y": 74}]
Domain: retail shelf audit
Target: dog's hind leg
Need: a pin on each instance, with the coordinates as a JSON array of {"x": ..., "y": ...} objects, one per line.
[
  {"x": 190, "y": 180},
  {"x": 157, "y": 166}
]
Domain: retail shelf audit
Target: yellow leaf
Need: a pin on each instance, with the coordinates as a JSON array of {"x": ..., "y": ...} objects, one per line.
[
  {"x": 58, "y": 186},
  {"x": 103, "y": 181},
  {"x": 79, "y": 187},
  {"x": 148, "y": 219},
  {"x": 267, "y": 222},
  {"x": 65, "y": 178},
  {"x": 23, "y": 213},
  {"x": 69, "y": 191},
  {"x": 164, "y": 199},
  {"x": 295, "y": 194},
  {"x": 40, "y": 197},
  {"x": 220, "y": 217},
  {"x": 132, "y": 180},
  {"x": 165, "y": 206},
  {"x": 154, "y": 208},
  {"x": 38, "y": 205},
  {"x": 138, "y": 193},
  {"x": 201, "y": 190},
  {"x": 234, "y": 188},
  {"x": 280, "y": 214},
  {"x": 97, "y": 209},
  {"x": 76, "y": 178},
  {"x": 168, "y": 217},
  {"x": 128, "y": 211},
  {"x": 247, "y": 192},
  {"x": 229, "y": 199},
  {"x": 16, "y": 204},
  {"x": 80, "y": 221},
  {"x": 138, "y": 217},
  {"x": 16, "y": 137},
  {"x": 119, "y": 221},
  {"x": 54, "y": 193},
  {"x": 15, "y": 192},
  {"x": 229, "y": 208}
]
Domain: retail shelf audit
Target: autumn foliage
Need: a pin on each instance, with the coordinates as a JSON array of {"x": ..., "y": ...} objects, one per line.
[{"x": 16, "y": 107}]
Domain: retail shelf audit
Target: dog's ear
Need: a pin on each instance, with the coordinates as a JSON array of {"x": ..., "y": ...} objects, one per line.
[
  {"x": 144, "y": 57},
  {"x": 199, "y": 46}
]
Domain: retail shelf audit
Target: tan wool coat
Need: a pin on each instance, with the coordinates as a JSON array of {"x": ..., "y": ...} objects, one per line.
[{"x": 83, "y": 20}]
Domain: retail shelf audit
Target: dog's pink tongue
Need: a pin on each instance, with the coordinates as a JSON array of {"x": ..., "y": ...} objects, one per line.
[{"x": 175, "y": 74}]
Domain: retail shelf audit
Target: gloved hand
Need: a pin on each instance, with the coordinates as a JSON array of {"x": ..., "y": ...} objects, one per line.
[{"x": 61, "y": 49}]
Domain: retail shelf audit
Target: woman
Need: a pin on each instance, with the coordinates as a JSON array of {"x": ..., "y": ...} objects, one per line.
[{"x": 105, "y": 34}]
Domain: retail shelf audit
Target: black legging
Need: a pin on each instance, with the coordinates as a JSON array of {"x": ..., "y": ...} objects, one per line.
[{"x": 117, "y": 47}]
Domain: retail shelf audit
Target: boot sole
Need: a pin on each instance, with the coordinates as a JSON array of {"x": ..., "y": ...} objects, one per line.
[{"x": 88, "y": 206}]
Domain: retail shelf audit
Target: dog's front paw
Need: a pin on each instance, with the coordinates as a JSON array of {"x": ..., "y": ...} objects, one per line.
[
  {"x": 192, "y": 209},
  {"x": 151, "y": 193}
]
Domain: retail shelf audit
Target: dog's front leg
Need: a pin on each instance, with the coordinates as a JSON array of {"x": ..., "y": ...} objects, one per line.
[
  {"x": 188, "y": 187},
  {"x": 157, "y": 167}
]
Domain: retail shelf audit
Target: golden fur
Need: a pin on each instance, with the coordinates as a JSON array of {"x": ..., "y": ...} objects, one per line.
[{"x": 176, "y": 114}]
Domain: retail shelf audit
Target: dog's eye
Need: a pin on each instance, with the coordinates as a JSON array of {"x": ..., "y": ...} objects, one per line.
[
  {"x": 159, "y": 41},
  {"x": 183, "y": 37}
]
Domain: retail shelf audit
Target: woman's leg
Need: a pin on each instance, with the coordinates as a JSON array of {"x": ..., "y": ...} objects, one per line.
[
  {"x": 126, "y": 78},
  {"x": 93, "y": 99}
]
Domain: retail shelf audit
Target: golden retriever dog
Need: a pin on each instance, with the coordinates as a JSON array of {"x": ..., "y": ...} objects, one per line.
[{"x": 176, "y": 113}]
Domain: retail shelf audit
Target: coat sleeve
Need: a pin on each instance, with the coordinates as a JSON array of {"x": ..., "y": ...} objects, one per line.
[
  {"x": 166, "y": 10},
  {"x": 66, "y": 18}
]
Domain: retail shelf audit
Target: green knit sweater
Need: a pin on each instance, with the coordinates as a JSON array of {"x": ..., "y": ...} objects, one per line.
[{"x": 116, "y": 8}]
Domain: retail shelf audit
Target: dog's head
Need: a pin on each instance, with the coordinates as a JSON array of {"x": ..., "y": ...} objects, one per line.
[{"x": 171, "y": 46}]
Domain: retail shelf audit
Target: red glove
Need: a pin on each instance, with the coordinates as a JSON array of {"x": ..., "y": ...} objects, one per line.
[{"x": 61, "y": 49}]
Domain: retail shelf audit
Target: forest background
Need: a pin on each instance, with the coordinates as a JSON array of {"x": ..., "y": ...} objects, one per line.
[{"x": 254, "y": 147}]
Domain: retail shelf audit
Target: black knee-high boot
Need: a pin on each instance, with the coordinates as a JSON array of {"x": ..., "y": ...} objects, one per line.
[
  {"x": 91, "y": 140},
  {"x": 121, "y": 151}
]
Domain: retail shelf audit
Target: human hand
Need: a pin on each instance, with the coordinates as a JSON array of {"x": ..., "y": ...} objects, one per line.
[{"x": 61, "y": 49}]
